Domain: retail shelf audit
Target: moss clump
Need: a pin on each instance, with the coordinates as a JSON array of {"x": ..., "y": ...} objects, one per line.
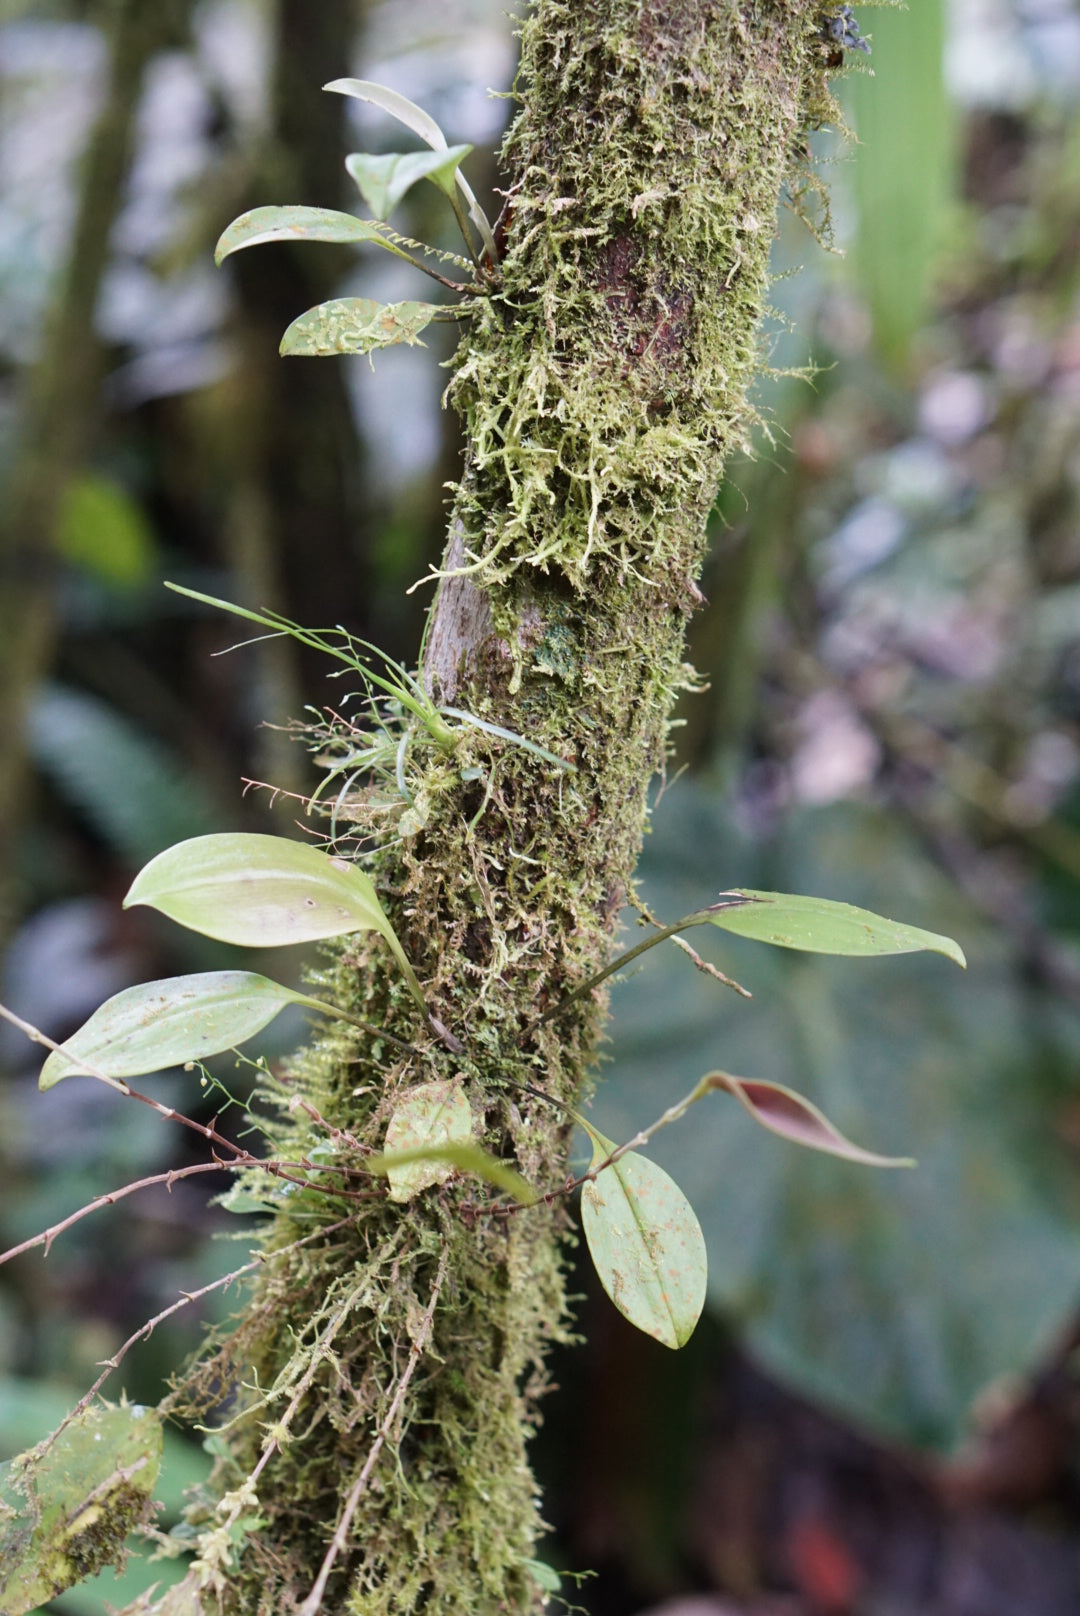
[{"x": 601, "y": 389}]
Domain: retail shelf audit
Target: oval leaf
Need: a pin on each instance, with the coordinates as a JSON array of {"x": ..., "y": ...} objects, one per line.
[
  {"x": 352, "y": 325},
  {"x": 258, "y": 891},
  {"x": 786, "y": 1113},
  {"x": 298, "y": 224},
  {"x": 421, "y": 123},
  {"x": 383, "y": 181},
  {"x": 433, "y": 1115},
  {"x": 160, "y": 1024},
  {"x": 646, "y": 1244},
  {"x": 820, "y": 926}
]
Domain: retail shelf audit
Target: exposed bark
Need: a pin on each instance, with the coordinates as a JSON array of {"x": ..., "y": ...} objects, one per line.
[{"x": 601, "y": 391}]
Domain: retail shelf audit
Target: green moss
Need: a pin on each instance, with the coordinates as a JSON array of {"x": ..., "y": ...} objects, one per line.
[{"x": 601, "y": 388}]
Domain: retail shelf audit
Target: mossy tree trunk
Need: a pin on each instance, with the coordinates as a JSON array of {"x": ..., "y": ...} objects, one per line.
[{"x": 601, "y": 391}]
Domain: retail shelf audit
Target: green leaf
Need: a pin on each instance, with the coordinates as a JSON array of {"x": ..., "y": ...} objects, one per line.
[
  {"x": 67, "y": 1506},
  {"x": 398, "y": 106},
  {"x": 384, "y": 180},
  {"x": 350, "y": 325},
  {"x": 263, "y": 892},
  {"x": 786, "y": 1113},
  {"x": 820, "y": 926},
  {"x": 100, "y": 528},
  {"x": 297, "y": 223},
  {"x": 465, "y": 1158},
  {"x": 434, "y": 1114},
  {"x": 423, "y": 124},
  {"x": 646, "y": 1244},
  {"x": 161, "y": 1024}
]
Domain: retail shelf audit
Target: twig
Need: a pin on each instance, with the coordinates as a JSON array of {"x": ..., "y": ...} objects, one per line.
[
  {"x": 47, "y": 1236},
  {"x": 184, "y": 1300},
  {"x": 313, "y": 1603},
  {"x": 711, "y": 970},
  {"x": 241, "y": 1157}
]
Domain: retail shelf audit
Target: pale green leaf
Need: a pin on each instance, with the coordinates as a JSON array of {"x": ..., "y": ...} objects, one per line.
[
  {"x": 820, "y": 926},
  {"x": 296, "y": 223},
  {"x": 423, "y": 124},
  {"x": 465, "y": 1158},
  {"x": 159, "y": 1024},
  {"x": 433, "y": 1115},
  {"x": 786, "y": 1113},
  {"x": 398, "y": 106},
  {"x": 258, "y": 891},
  {"x": 67, "y": 1506},
  {"x": 352, "y": 325},
  {"x": 383, "y": 181},
  {"x": 646, "y": 1244}
]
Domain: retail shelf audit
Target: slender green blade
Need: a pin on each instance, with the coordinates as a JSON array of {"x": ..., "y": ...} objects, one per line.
[
  {"x": 820, "y": 926},
  {"x": 160, "y": 1024},
  {"x": 398, "y": 106},
  {"x": 646, "y": 1244},
  {"x": 355, "y": 325}
]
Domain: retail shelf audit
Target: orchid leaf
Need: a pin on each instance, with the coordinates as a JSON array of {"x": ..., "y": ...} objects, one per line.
[
  {"x": 434, "y": 1114},
  {"x": 351, "y": 325},
  {"x": 160, "y": 1024},
  {"x": 646, "y": 1244},
  {"x": 821, "y": 926},
  {"x": 786, "y": 1113},
  {"x": 296, "y": 223},
  {"x": 382, "y": 181},
  {"x": 263, "y": 892}
]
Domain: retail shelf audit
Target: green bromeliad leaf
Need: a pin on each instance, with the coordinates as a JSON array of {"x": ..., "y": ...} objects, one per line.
[{"x": 355, "y": 325}]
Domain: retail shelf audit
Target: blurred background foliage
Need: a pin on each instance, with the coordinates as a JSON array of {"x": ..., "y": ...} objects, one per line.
[{"x": 882, "y": 1416}]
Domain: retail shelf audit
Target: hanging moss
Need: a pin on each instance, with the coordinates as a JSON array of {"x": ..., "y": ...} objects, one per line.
[{"x": 602, "y": 388}]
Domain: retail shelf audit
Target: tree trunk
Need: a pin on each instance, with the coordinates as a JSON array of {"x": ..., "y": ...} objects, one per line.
[{"x": 601, "y": 390}]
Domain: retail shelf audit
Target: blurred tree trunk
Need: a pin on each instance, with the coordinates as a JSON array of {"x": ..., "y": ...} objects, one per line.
[
  {"x": 58, "y": 409},
  {"x": 376, "y": 1459},
  {"x": 298, "y": 528}
]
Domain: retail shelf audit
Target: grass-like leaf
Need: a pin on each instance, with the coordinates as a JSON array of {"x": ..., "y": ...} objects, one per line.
[{"x": 466, "y": 1158}]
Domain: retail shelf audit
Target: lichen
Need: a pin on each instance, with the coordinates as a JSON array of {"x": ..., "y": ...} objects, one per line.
[{"x": 602, "y": 386}]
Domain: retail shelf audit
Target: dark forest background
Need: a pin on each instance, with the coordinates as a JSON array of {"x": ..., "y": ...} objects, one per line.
[{"x": 881, "y": 1414}]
